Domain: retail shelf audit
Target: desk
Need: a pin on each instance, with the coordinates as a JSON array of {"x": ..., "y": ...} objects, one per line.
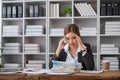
[
  {"x": 18, "y": 76},
  {"x": 109, "y": 75}
]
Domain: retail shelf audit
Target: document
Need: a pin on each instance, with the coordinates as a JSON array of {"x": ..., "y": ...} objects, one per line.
[
  {"x": 10, "y": 70},
  {"x": 33, "y": 71},
  {"x": 91, "y": 71},
  {"x": 62, "y": 67}
]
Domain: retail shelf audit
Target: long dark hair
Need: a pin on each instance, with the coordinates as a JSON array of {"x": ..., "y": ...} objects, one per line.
[{"x": 72, "y": 28}]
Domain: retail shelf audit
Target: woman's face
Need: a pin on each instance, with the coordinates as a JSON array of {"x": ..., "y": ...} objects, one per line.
[{"x": 71, "y": 39}]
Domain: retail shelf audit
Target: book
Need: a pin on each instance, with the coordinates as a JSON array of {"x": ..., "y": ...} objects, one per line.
[
  {"x": 107, "y": 45},
  {"x": 112, "y": 22},
  {"x": 12, "y": 44},
  {"x": 9, "y": 11},
  {"x": 14, "y": 11},
  {"x": 19, "y": 11},
  {"x": 31, "y": 11},
  {"x": 119, "y": 9},
  {"x": 109, "y": 9},
  {"x": 115, "y": 9},
  {"x": 103, "y": 9},
  {"x": 92, "y": 10},
  {"x": 36, "y": 61},
  {"x": 36, "y": 10}
]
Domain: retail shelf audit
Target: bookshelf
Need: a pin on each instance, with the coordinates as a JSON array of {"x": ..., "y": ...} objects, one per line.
[{"x": 49, "y": 14}]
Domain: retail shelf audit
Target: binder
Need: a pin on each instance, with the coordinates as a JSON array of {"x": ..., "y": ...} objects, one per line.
[
  {"x": 109, "y": 9},
  {"x": 40, "y": 11},
  {"x": 115, "y": 9},
  {"x": 36, "y": 10},
  {"x": 20, "y": 11},
  {"x": 4, "y": 12},
  {"x": 9, "y": 11},
  {"x": 119, "y": 8},
  {"x": 14, "y": 11},
  {"x": 31, "y": 10},
  {"x": 103, "y": 9}
]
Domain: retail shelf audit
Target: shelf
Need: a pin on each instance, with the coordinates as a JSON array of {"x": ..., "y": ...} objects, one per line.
[
  {"x": 35, "y": 35},
  {"x": 104, "y": 35},
  {"x": 48, "y": 42},
  {"x": 12, "y": 36},
  {"x": 11, "y": 53},
  {"x": 13, "y": 19},
  {"x": 110, "y": 16},
  {"x": 14, "y": 1},
  {"x": 89, "y": 17},
  {"x": 35, "y": 53},
  {"x": 35, "y": 18},
  {"x": 34, "y": 0},
  {"x": 60, "y": 17},
  {"x": 111, "y": 54}
]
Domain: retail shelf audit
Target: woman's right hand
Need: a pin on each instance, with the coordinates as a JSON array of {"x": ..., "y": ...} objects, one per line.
[
  {"x": 60, "y": 46},
  {"x": 62, "y": 43}
]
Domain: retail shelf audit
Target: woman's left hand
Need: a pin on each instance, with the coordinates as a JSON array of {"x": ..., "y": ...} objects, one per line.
[
  {"x": 78, "y": 40},
  {"x": 81, "y": 45}
]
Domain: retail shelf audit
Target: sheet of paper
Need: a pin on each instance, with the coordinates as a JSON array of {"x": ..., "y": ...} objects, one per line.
[
  {"x": 33, "y": 71},
  {"x": 92, "y": 71}
]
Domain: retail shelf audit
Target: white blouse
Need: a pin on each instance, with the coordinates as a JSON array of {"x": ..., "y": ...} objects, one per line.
[{"x": 69, "y": 56}]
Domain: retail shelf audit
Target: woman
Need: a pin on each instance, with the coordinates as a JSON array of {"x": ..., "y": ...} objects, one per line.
[{"x": 72, "y": 49}]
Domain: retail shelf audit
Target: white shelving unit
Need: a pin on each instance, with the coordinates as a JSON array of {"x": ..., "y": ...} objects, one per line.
[{"x": 49, "y": 41}]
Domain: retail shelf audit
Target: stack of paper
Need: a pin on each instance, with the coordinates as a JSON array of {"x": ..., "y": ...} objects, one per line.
[
  {"x": 12, "y": 48},
  {"x": 112, "y": 27},
  {"x": 114, "y": 62},
  {"x": 11, "y": 30},
  {"x": 109, "y": 49},
  {"x": 88, "y": 31},
  {"x": 57, "y": 31},
  {"x": 35, "y": 64},
  {"x": 11, "y": 65},
  {"x": 32, "y": 48},
  {"x": 34, "y": 30}
]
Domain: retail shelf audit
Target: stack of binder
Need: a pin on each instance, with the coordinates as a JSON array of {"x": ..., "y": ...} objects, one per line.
[
  {"x": 12, "y": 11},
  {"x": 32, "y": 48},
  {"x": 11, "y": 30},
  {"x": 11, "y": 48},
  {"x": 35, "y": 30},
  {"x": 109, "y": 49},
  {"x": 35, "y": 11},
  {"x": 112, "y": 27},
  {"x": 109, "y": 9}
]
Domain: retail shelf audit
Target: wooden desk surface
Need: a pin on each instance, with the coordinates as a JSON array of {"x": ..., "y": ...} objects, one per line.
[{"x": 108, "y": 75}]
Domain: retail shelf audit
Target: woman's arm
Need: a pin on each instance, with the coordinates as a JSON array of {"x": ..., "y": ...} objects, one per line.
[
  {"x": 62, "y": 57},
  {"x": 58, "y": 51},
  {"x": 88, "y": 58}
]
